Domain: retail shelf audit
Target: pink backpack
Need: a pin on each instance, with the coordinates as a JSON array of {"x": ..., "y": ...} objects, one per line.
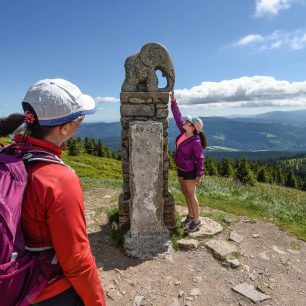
[{"x": 24, "y": 272}]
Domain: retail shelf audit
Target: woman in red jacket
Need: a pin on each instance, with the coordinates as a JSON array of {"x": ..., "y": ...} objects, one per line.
[
  {"x": 53, "y": 207},
  {"x": 189, "y": 160}
]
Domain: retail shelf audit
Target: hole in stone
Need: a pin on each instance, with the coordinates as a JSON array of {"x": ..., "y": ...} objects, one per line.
[{"x": 162, "y": 81}]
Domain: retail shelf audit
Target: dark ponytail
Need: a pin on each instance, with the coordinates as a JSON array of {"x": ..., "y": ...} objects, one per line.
[
  {"x": 9, "y": 124},
  {"x": 35, "y": 129},
  {"x": 13, "y": 122},
  {"x": 203, "y": 139}
]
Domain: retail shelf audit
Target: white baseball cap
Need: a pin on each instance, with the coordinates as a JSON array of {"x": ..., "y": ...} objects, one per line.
[
  {"x": 57, "y": 101},
  {"x": 196, "y": 121}
]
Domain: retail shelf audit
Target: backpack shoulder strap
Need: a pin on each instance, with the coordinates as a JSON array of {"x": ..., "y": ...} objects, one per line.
[{"x": 37, "y": 155}]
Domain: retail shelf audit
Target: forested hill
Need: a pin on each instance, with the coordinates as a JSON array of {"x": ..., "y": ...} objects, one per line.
[{"x": 274, "y": 132}]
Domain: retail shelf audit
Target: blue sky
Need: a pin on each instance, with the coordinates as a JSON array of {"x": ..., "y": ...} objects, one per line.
[{"x": 230, "y": 57}]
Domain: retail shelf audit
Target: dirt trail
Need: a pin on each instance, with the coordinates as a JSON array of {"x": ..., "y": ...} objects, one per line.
[{"x": 271, "y": 260}]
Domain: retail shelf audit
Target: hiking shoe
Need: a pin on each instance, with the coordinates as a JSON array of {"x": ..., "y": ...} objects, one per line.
[
  {"x": 193, "y": 227},
  {"x": 187, "y": 221}
]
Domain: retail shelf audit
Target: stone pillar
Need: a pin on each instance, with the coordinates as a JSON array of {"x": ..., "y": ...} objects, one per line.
[
  {"x": 146, "y": 177},
  {"x": 144, "y": 107},
  {"x": 147, "y": 236}
]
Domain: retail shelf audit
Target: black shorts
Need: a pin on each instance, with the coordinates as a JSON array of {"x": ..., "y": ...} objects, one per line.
[
  {"x": 67, "y": 298},
  {"x": 186, "y": 175}
]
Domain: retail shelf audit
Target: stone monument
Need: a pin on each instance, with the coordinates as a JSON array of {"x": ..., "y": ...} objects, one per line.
[{"x": 146, "y": 205}]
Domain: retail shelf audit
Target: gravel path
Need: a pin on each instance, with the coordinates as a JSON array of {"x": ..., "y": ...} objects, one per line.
[{"x": 271, "y": 260}]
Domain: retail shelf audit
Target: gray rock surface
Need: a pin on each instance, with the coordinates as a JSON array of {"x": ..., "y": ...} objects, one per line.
[
  {"x": 208, "y": 228},
  {"x": 278, "y": 250},
  {"x": 236, "y": 237},
  {"x": 147, "y": 237},
  {"x": 233, "y": 263},
  {"x": 188, "y": 244},
  {"x": 250, "y": 292},
  {"x": 140, "y": 69},
  {"x": 221, "y": 248},
  {"x": 138, "y": 300},
  {"x": 195, "y": 292}
]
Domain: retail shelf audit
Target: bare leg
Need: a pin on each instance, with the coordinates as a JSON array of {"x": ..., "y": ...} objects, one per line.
[
  {"x": 190, "y": 187},
  {"x": 184, "y": 191}
]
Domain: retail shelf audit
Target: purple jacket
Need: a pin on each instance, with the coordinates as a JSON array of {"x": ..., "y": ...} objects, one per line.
[{"x": 189, "y": 155}]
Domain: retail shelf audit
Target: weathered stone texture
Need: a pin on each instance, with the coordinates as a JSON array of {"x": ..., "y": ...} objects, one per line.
[
  {"x": 156, "y": 97},
  {"x": 169, "y": 220},
  {"x": 140, "y": 110},
  {"x": 188, "y": 244},
  {"x": 146, "y": 158},
  {"x": 250, "y": 292},
  {"x": 140, "y": 69},
  {"x": 125, "y": 168},
  {"x": 220, "y": 248},
  {"x": 208, "y": 228},
  {"x": 147, "y": 236},
  {"x": 156, "y": 103}
]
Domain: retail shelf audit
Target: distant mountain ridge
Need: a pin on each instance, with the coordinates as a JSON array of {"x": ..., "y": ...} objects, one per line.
[
  {"x": 273, "y": 131},
  {"x": 295, "y": 117}
]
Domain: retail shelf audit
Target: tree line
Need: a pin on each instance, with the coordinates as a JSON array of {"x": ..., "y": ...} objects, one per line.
[
  {"x": 278, "y": 172},
  {"x": 77, "y": 146}
]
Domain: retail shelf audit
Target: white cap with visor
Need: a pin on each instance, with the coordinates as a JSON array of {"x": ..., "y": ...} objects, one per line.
[
  {"x": 196, "y": 121},
  {"x": 57, "y": 101}
]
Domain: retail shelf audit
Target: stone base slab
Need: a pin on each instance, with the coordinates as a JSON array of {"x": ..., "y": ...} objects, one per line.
[{"x": 148, "y": 247}]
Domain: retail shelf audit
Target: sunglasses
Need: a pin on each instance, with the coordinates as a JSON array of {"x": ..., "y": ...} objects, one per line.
[{"x": 79, "y": 119}]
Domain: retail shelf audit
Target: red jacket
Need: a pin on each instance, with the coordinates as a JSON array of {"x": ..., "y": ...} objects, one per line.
[{"x": 53, "y": 214}]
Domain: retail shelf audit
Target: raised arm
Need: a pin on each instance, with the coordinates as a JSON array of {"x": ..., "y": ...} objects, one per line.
[{"x": 176, "y": 113}]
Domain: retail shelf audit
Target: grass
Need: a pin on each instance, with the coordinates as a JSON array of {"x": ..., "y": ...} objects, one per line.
[
  {"x": 178, "y": 232},
  {"x": 117, "y": 235},
  {"x": 283, "y": 206},
  {"x": 219, "y": 217},
  {"x": 286, "y": 207},
  {"x": 94, "y": 167}
]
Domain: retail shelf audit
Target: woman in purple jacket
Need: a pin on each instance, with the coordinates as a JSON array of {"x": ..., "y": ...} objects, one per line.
[{"x": 189, "y": 160}]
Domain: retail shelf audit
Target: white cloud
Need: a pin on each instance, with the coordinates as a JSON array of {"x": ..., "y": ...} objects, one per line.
[
  {"x": 271, "y": 7},
  {"x": 298, "y": 42},
  {"x": 246, "y": 40},
  {"x": 256, "y": 91},
  {"x": 292, "y": 40},
  {"x": 106, "y": 100}
]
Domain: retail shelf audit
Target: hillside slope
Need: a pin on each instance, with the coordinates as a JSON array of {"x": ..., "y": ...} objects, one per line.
[{"x": 283, "y": 206}]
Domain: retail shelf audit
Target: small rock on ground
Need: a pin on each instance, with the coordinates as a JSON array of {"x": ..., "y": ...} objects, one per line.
[
  {"x": 233, "y": 263},
  {"x": 250, "y": 292},
  {"x": 220, "y": 248},
  {"x": 234, "y": 236},
  {"x": 195, "y": 292},
  {"x": 138, "y": 300},
  {"x": 188, "y": 244}
]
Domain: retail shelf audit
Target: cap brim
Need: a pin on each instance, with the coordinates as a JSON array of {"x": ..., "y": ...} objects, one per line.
[
  {"x": 88, "y": 104},
  {"x": 189, "y": 118}
]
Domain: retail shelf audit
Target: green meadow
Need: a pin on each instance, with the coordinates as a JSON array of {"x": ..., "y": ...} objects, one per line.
[{"x": 285, "y": 207}]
